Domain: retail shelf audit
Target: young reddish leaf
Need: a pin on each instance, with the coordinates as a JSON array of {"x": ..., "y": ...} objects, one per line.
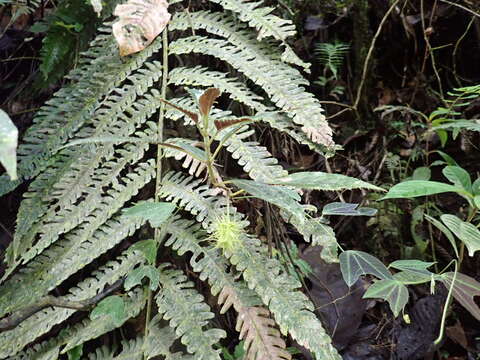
[
  {"x": 190, "y": 114},
  {"x": 223, "y": 124},
  {"x": 206, "y": 100},
  {"x": 464, "y": 290}
]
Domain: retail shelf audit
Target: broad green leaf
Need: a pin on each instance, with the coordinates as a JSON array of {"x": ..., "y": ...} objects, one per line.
[
  {"x": 154, "y": 212},
  {"x": 324, "y": 181},
  {"x": 465, "y": 231},
  {"x": 476, "y": 201},
  {"x": 415, "y": 267},
  {"x": 422, "y": 173},
  {"x": 390, "y": 290},
  {"x": 8, "y": 145},
  {"x": 448, "y": 159},
  {"x": 112, "y": 306},
  {"x": 281, "y": 196},
  {"x": 136, "y": 276},
  {"x": 476, "y": 187},
  {"x": 354, "y": 264},
  {"x": 411, "y": 278},
  {"x": 347, "y": 209},
  {"x": 448, "y": 234},
  {"x": 148, "y": 248},
  {"x": 415, "y": 188},
  {"x": 411, "y": 265},
  {"x": 464, "y": 290},
  {"x": 459, "y": 177}
]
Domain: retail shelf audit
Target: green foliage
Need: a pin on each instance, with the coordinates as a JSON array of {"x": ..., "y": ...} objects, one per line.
[
  {"x": 331, "y": 55},
  {"x": 68, "y": 30},
  {"x": 90, "y": 155}
]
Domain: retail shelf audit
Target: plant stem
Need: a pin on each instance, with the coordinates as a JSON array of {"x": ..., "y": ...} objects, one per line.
[{"x": 158, "y": 181}]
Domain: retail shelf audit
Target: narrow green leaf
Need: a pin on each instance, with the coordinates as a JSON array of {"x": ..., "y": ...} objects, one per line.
[
  {"x": 448, "y": 234},
  {"x": 148, "y": 248},
  {"x": 390, "y": 290},
  {"x": 355, "y": 263},
  {"x": 154, "y": 212},
  {"x": 8, "y": 145},
  {"x": 136, "y": 276},
  {"x": 459, "y": 177},
  {"x": 324, "y": 181},
  {"x": 281, "y": 196},
  {"x": 415, "y": 188},
  {"x": 347, "y": 209},
  {"x": 465, "y": 231},
  {"x": 112, "y": 306}
]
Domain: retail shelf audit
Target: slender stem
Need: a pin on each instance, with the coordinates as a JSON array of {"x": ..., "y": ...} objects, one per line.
[
  {"x": 158, "y": 181},
  {"x": 445, "y": 309},
  {"x": 369, "y": 54}
]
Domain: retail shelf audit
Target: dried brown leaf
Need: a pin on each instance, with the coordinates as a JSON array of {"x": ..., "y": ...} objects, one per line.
[
  {"x": 190, "y": 114},
  {"x": 140, "y": 22}
]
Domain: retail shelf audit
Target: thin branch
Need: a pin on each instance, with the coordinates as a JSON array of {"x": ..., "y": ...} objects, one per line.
[
  {"x": 369, "y": 54},
  {"x": 461, "y": 7},
  {"x": 21, "y": 315}
]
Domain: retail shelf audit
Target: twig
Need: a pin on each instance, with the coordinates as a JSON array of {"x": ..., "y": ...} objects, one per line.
[
  {"x": 369, "y": 54},
  {"x": 19, "y": 316},
  {"x": 461, "y": 7}
]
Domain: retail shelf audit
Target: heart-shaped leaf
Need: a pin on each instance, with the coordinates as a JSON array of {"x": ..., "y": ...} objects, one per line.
[
  {"x": 354, "y": 264},
  {"x": 390, "y": 290},
  {"x": 464, "y": 290}
]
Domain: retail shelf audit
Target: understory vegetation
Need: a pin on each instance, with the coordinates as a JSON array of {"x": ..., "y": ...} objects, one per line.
[{"x": 239, "y": 180}]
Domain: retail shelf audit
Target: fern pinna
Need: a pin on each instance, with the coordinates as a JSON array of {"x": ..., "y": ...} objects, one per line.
[{"x": 88, "y": 155}]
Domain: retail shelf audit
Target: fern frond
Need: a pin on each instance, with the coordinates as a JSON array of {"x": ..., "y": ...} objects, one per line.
[
  {"x": 160, "y": 340},
  {"x": 201, "y": 76},
  {"x": 282, "y": 83},
  {"x": 100, "y": 71},
  {"x": 131, "y": 350},
  {"x": 317, "y": 233},
  {"x": 92, "y": 329},
  {"x": 257, "y": 162},
  {"x": 331, "y": 55},
  {"x": 262, "y": 339},
  {"x": 14, "y": 340},
  {"x": 69, "y": 176},
  {"x": 187, "y": 312},
  {"x": 279, "y": 291},
  {"x": 61, "y": 260},
  {"x": 267, "y": 24},
  {"x": 97, "y": 207}
]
